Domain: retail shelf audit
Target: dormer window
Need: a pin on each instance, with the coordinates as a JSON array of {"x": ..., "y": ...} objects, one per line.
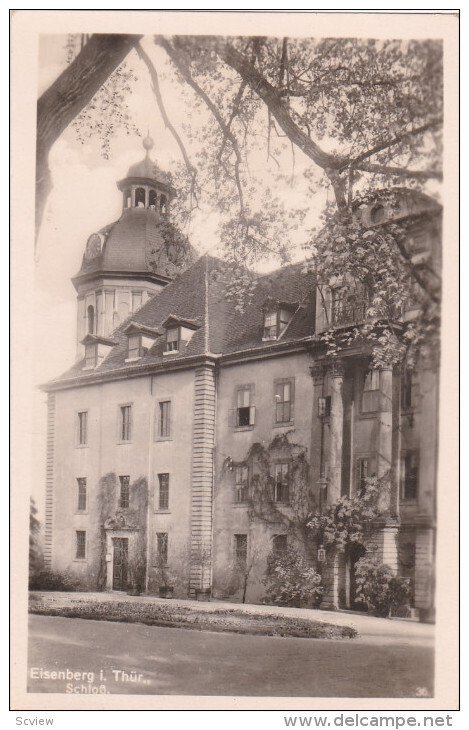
[
  {"x": 96, "y": 349},
  {"x": 276, "y": 320},
  {"x": 135, "y": 347},
  {"x": 172, "y": 339},
  {"x": 139, "y": 340},
  {"x": 91, "y": 356},
  {"x": 179, "y": 333}
]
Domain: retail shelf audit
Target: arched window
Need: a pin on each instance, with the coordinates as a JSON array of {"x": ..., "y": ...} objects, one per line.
[
  {"x": 127, "y": 198},
  {"x": 152, "y": 200},
  {"x": 163, "y": 205},
  {"x": 140, "y": 198},
  {"x": 90, "y": 311},
  {"x": 378, "y": 214}
]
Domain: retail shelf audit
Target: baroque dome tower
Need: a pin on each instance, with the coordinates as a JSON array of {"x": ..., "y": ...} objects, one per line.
[{"x": 130, "y": 260}]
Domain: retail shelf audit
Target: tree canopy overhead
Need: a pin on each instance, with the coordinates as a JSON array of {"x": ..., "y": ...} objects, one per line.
[{"x": 364, "y": 114}]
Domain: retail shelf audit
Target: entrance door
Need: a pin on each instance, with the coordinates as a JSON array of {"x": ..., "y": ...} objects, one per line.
[
  {"x": 120, "y": 563},
  {"x": 355, "y": 552}
]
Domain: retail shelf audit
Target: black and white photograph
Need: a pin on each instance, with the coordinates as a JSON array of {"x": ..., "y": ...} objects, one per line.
[{"x": 238, "y": 244}]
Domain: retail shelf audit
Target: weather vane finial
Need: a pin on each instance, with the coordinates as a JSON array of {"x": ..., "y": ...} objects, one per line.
[{"x": 148, "y": 142}]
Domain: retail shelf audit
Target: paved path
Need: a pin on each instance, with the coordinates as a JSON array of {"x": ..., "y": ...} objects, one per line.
[{"x": 188, "y": 662}]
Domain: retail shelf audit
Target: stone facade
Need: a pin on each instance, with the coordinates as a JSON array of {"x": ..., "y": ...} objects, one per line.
[{"x": 151, "y": 458}]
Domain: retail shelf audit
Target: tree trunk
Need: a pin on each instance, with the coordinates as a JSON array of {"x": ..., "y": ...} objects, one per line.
[{"x": 68, "y": 95}]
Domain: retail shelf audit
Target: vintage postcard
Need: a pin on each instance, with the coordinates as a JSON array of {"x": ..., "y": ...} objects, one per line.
[{"x": 234, "y": 258}]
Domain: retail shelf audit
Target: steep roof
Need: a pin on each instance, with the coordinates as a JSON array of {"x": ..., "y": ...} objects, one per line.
[{"x": 200, "y": 296}]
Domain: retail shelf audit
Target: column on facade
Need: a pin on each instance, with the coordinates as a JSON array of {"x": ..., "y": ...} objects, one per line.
[
  {"x": 50, "y": 456},
  {"x": 202, "y": 480},
  {"x": 336, "y": 428},
  {"x": 387, "y": 463},
  {"x": 331, "y": 571},
  {"x": 424, "y": 572}
]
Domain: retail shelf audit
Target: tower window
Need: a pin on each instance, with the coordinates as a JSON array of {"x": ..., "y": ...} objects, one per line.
[
  {"x": 140, "y": 198},
  {"x": 90, "y": 317},
  {"x": 163, "y": 205},
  {"x": 127, "y": 198},
  {"x": 152, "y": 199}
]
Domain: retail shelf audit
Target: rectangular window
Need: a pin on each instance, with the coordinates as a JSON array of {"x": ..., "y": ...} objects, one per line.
[
  {"x": 363, "y": 468},
  {"x": 409, "y": 476},
  {"x": 125, "y": 427},
  {"x": 164, "y": 419},
  {"x": 124, "y": 498},
  {"x": 80, "y": 547},
  {"x": 81, "y": 502},
  {"x": 135, "y": 349},
  {"x": 83, "y": 428},
  {"x": 371, "y": 392},
  {"x": 242, "y": 483},
  {"x": 406, "y": 389},
  {"x": 163, "y": 491},
  {"x": 245, "y": 411},
  {"x": 281, "y": 482},
  {"x": 162, "y": 547},
  {"x": 284, "y": 398},
  {"x": 279, "y": 545},
  {"x": 241, "y": 550},
  {"x": 172, "y": 339}
]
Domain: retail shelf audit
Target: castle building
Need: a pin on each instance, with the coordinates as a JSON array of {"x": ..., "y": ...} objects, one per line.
[{"x": 181, "y": 405}]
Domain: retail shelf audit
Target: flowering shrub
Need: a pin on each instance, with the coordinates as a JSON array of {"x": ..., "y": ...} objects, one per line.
[
  {"x": 378, "y": 587},
  {"x": 349, "y": 519},
  {"x": 291, "y": 581}
]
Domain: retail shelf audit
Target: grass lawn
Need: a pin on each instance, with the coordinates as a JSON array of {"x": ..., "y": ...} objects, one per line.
[{"x": 187, "y": 617}]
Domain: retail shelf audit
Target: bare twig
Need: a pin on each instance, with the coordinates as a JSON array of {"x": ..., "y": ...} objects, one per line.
[{"x": 167, "y": 122}]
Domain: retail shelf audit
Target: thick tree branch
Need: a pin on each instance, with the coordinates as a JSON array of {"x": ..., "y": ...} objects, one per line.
[
  {"x": 394, "y": 140},
  {"x": 400, "y": 171},
  {"x": 277, "y": 106},
  {"x": 58, "y": 106}
]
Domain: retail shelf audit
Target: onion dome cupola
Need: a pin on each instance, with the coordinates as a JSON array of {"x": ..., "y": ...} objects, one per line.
[{"x": 133, "y": 258}]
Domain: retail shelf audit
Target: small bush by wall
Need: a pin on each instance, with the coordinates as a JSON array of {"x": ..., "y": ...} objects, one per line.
[{"x": 51, "y": 580}]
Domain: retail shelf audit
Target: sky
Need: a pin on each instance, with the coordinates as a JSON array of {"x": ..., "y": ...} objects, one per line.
[{"x": 84, "y": 198}]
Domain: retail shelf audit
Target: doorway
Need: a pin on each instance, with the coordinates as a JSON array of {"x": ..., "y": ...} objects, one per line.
[
  {"x": 353, "y": 554},
  {"x": 120, "y": 563}
]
